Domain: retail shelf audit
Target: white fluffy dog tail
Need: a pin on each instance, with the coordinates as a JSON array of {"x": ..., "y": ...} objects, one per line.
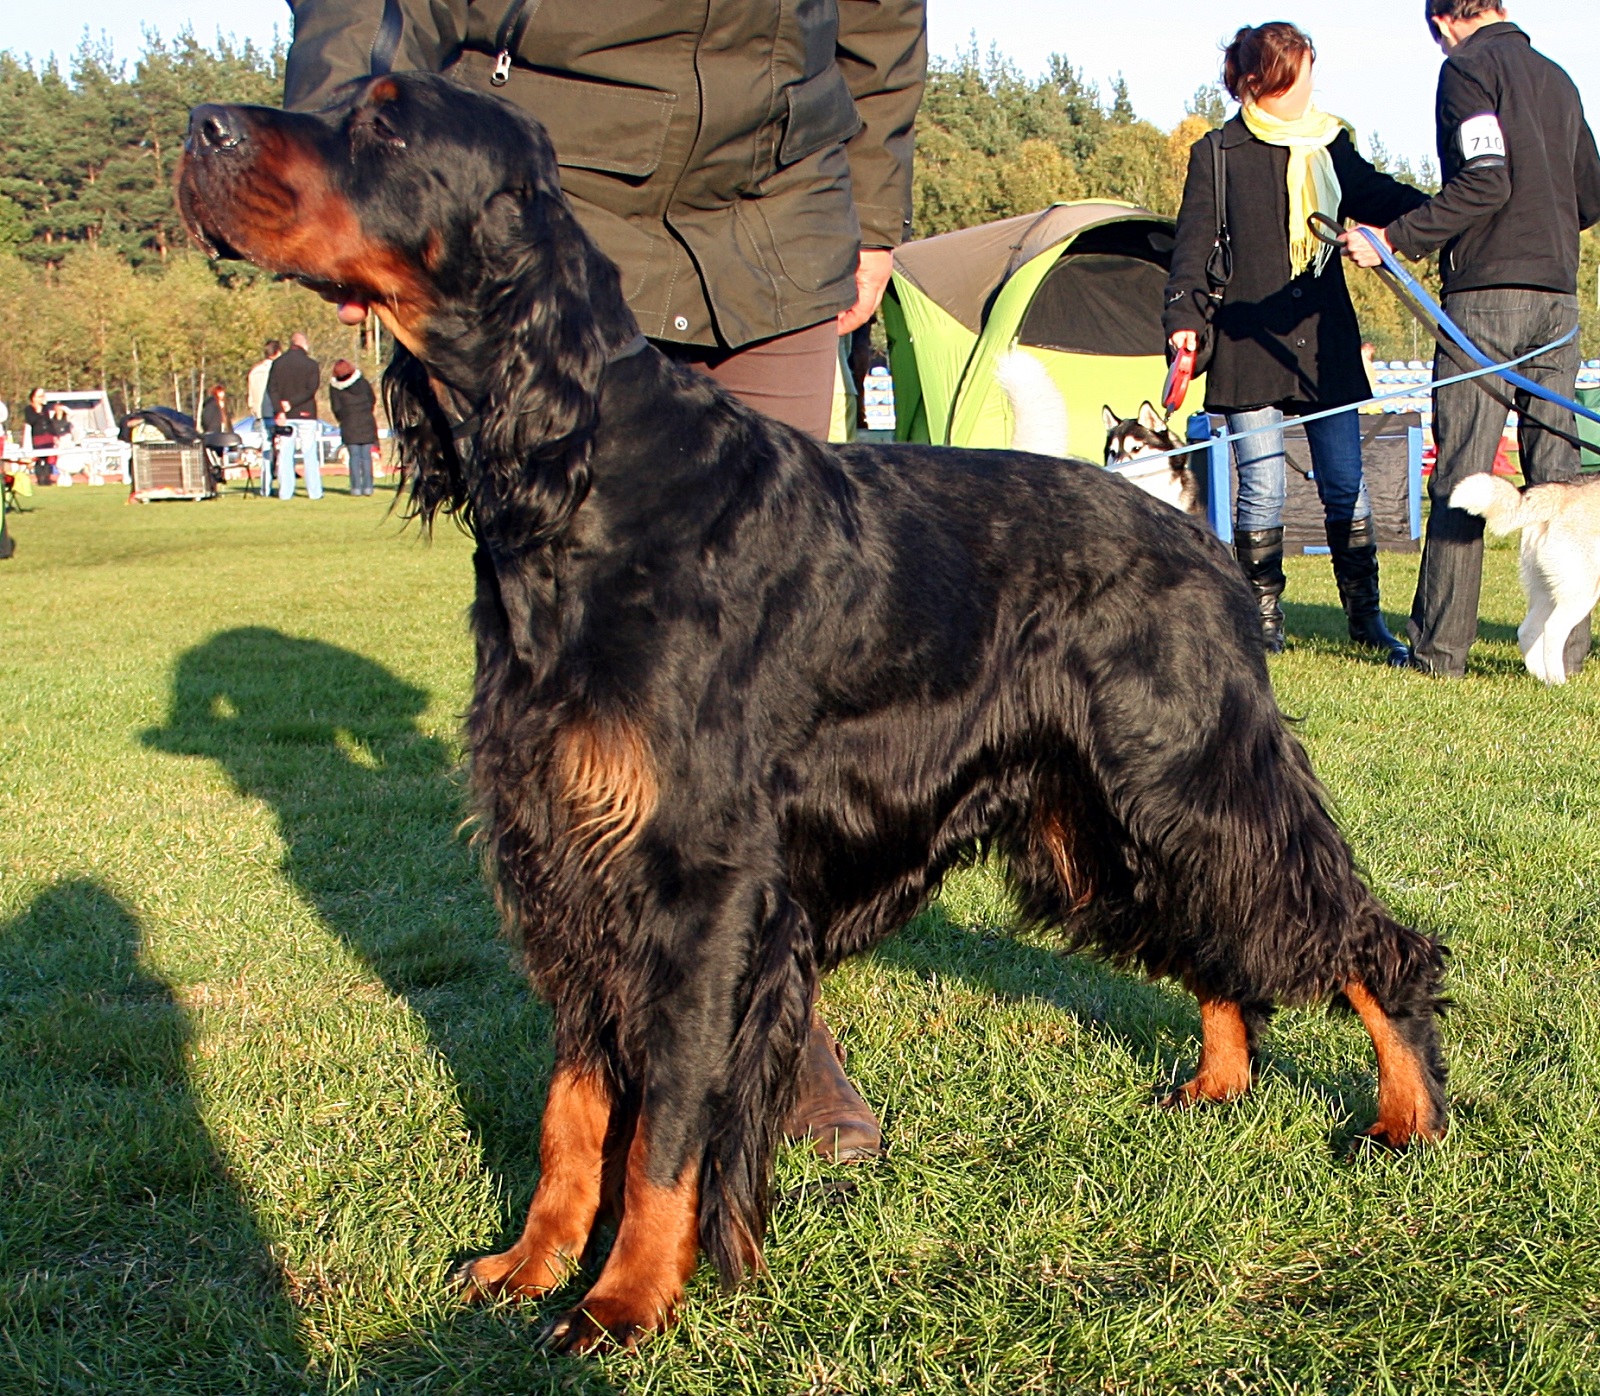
[
  {"x": 1502, "y": 506},
  {"x": 1037, "y": 407}
]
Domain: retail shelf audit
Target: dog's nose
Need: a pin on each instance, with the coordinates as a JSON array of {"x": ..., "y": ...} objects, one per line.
[{"x": 214, "y": 128}]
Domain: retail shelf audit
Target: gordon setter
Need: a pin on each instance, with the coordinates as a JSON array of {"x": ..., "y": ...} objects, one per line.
[{"x": 743, "y": 699}]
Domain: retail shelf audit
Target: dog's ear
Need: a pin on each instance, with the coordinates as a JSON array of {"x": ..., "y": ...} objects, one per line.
[
  {"x": 427, "y": 454},
  {"x": 1150, "y": 419},
  {"x": 1110, "y": 418},
  {"x": 538, "y": 304}
]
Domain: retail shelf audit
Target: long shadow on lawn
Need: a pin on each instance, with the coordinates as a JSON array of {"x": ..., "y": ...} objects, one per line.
[
  {"x": 369, "y": 815},
  {"x": 128, "y": 1260}
]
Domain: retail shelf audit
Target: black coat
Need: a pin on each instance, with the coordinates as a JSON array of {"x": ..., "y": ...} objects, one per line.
[
  {"x": 1279, "y": 340},
  {"x": 353, "y": 411},
  {"x": 293, "y": 379},
  {"x": 1509, "y": 214}
]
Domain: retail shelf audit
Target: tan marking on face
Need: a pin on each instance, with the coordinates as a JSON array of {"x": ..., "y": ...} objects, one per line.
[
  {"x": 286, "y": 216},
  {"x": 607, "y": 781}
]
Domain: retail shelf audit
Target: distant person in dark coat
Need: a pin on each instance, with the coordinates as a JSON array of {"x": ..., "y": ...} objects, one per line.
[
  {"x": 292, "y": 387},
  {"x": 353, "y": 402},
  {"x": 214, "y": 415},
  {"x": 45, "y": 428},
  {"x": 1286, "y": 334}
]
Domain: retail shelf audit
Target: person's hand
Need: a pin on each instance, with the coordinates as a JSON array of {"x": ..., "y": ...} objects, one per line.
[
  {"x": 1359, "y": 250},
  {"x": 1184, "y": 339},
  {"x": 872, "y": 277}
]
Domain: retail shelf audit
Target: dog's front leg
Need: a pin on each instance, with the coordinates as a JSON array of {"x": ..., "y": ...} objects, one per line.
[
  {"x": 1226, "y": 1049},
  {"x": 657, "y": 1246},
  {"x": 577, "y": 1114}
]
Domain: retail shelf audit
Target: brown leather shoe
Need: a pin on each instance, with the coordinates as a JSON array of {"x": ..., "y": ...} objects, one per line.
[{"x": 830, "y": 1111}]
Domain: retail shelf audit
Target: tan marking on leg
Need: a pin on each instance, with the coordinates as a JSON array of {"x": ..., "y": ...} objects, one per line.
[
  {"x": 1224, "y": 1071},
  {"x": 1404, "y": 1107},
  {"x": 567, "y": 1200},
  {"x": 1060, "y": 843},
  {"x": 657, "y": 1246},
  {"x": 607, "y": 782}
]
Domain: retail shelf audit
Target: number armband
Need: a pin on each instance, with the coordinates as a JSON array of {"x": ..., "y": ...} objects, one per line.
[{"x": 1482, "y": 141}]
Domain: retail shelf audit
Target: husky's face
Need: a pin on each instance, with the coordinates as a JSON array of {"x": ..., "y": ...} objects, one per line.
[{"x": 1129, "y": 438}]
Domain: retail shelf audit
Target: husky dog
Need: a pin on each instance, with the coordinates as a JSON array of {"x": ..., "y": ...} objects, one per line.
[
  {"x": 1130, "y": 439},
  {"x": 1040, "y": 416},
  {"x": 1560, "y": 526}
]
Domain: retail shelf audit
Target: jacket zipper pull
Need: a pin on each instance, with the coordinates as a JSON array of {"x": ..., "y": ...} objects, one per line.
[{"x": 502, "y": 68}]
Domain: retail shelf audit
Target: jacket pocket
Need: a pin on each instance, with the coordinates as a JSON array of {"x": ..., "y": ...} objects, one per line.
[
  {"x": 593, "y": 125},
  {"x": 821, "y": 113}
]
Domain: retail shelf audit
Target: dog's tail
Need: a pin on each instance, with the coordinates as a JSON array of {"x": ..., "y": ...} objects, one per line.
[
  {"x": 1502, "y": 506},
  {"x": 1037, "y": 407}
]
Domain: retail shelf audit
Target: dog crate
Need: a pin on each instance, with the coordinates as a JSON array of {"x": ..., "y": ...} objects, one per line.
[
  {"x": 169, "y": 470},
  {"x": 1391, "y": 461}
]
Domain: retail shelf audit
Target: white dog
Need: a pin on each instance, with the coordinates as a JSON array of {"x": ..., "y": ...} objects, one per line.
[{"x": 1560, "y": 526}]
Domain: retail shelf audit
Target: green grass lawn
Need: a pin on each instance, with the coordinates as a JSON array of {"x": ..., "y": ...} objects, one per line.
[{"x": 265, "y": 1070}]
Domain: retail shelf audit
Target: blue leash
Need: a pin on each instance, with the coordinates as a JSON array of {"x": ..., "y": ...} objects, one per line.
[{"x": 1414, "y": 296}]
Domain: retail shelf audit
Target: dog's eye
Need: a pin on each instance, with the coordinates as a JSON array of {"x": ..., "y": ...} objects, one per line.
[{"x": 375, "y": 128}]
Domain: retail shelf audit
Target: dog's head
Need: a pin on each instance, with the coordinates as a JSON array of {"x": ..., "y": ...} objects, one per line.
[
  {"x": 440, "y": 209},
  {"x": 1129, "y": 438}
]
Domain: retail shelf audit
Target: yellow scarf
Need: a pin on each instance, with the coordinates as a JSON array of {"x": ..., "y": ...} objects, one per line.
[{"x": 1313, "y": 185}]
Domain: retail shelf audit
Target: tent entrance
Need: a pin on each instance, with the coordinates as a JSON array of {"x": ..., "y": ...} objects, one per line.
[{"x": 1104, "y": 294}]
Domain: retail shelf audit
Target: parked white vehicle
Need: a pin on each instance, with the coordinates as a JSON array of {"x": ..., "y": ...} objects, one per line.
[{"x": 95, "y": 451}]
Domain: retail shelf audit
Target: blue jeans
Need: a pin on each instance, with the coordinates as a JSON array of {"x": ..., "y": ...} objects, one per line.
[
  {"x": 1335, "y": 469},
  {"x": 269, "y": 445},
  {"x": 360, "y": 468},
  {"x": 306, "y": 437}
]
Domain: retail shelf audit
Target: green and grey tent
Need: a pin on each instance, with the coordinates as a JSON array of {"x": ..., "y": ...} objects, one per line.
[{"x": 1077, "y": 285}]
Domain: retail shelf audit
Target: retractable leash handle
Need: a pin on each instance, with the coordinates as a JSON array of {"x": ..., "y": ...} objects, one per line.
[
  {"x": 1415, "y": 297},
  {"x": 1179, "y": 377}
]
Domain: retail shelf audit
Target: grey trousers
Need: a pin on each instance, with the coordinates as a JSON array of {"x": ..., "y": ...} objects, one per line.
[{"x": 1467, "y": 424}]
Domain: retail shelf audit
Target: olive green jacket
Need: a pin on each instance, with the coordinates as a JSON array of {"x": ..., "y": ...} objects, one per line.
[{"x": 731, "y": 156}]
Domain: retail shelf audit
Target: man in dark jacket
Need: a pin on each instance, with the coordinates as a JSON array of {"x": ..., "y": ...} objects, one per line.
[
  {"x": 1522, "y": 179},
  {"x": 292, "y": 390},
  {"x": 746, "y": 165}
]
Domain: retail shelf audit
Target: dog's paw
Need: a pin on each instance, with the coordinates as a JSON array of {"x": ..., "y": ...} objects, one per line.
[
  {"x": 507, "y": 1275},
  {"x": 599, "y": 1323}
]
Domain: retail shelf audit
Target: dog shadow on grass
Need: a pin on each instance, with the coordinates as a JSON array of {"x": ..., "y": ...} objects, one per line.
[
  {"x": 129, "y": 1260},
  {"x": 369, "y": 812}
]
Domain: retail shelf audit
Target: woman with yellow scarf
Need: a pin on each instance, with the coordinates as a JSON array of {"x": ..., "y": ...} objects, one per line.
[{"x": 1285, "y": 334}]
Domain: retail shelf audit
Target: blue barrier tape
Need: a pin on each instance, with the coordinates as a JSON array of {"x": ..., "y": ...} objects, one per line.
[{"x": 1137, "y": 465}]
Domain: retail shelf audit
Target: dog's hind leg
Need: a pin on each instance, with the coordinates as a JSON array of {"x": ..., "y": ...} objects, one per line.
[
  {"x": 1535, "y": 625},
  {"x": 1228, "y": 1032},
  {"x": 577, "y": 1117}
]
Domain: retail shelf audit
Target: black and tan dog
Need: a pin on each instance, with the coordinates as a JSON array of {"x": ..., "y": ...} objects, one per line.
[{"x": 742, "y": 699}]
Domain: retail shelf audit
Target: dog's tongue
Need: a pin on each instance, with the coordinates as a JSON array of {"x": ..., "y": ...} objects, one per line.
[{"x": 352, "y": 312}]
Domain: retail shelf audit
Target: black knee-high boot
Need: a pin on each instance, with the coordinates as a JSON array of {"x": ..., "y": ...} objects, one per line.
[
  {"x": 1260, "y": 554},
  {"x": 1355, "y": 569}
]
